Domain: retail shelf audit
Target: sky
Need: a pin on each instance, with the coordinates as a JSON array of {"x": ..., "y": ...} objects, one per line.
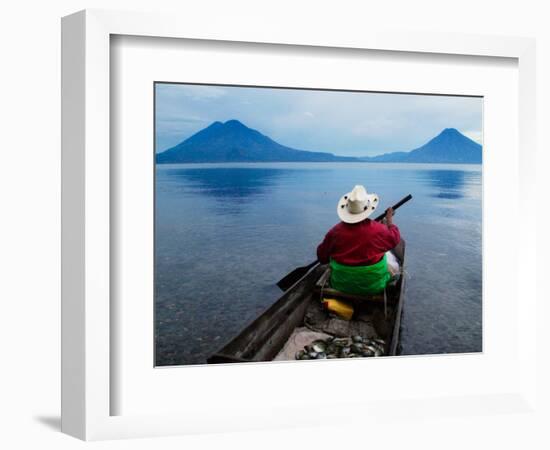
[{"x": 343, "y": 123}]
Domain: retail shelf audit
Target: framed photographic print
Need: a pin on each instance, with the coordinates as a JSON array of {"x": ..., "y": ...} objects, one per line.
[
  {"x": 246, "y": 208},
  {"x": 235, "y": 210}
]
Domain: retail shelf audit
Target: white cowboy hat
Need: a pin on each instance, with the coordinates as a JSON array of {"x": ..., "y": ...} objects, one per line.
[{"x": 356, "y": 205}]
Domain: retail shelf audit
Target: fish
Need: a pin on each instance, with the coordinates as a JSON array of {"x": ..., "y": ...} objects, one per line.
[
  {"x": 332, "y": 347},
  {"x": 377, "y": 347},
  {"x": 357, "y": 348},
  {"x": 319, "y": 346},
  {"x": 345, "y": 351}
]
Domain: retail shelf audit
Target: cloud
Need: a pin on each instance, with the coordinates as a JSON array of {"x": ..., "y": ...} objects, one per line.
[
  {"x": 475, "y": 135},
  {"x": 195, "y": 92},
  {"x": 374, "y": 127}
]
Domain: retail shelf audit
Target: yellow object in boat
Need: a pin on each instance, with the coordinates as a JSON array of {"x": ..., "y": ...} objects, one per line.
[{"x": 338, "y": 307}]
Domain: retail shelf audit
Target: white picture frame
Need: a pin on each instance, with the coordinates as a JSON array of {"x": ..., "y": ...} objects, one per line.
[{"x": 86, "y": 285}]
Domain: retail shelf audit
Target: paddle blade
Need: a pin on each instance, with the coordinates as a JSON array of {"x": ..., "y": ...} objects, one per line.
[{"x": 286, "y": 282}]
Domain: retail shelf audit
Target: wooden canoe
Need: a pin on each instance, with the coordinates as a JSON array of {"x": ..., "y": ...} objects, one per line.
[{"x": 263, "y": 339}]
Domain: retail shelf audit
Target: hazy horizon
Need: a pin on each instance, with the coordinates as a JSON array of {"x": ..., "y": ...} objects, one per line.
[{"x": 340, "y": 122}]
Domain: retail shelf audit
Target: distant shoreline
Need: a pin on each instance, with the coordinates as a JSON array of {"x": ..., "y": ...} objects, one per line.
[
  {"x": 163, "y": 163},
  {"x": 233, "y": 141}
]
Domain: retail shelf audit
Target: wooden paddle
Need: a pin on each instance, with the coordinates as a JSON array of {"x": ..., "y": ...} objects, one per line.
[{"x": 288, "y": 280}]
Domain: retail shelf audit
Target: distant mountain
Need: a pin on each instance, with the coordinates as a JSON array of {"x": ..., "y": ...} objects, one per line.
[
  {"x": 233, "y": 141},
  {"x": 450, "y": 146}
]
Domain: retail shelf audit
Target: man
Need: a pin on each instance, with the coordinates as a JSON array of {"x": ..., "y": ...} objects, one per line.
[{"x": 356, "y": 247}]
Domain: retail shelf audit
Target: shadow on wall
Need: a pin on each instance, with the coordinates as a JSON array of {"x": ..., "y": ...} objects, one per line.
[{"x": 51, "y": 422}]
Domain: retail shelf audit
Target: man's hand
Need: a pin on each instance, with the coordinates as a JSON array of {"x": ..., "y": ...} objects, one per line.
[{"x": 389, "y": 216}]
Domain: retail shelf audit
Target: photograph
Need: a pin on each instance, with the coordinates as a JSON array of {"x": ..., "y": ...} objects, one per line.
[{"x": 304, "y": 224}]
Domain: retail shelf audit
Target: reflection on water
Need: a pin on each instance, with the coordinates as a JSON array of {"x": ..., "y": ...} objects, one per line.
[
  {"x": 225, "y": 235},
  {"x": 226, "y": 183},
  {"x": 448, "y": 184}
]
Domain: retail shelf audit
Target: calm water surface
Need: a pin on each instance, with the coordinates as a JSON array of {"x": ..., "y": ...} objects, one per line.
[{"x": 226, "y": 233}]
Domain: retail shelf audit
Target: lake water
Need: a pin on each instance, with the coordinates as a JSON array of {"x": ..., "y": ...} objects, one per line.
[{"x": 226, "y": 233}]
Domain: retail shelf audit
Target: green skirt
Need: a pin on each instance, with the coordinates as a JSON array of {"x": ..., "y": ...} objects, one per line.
[{"x": 360, "y": 280}]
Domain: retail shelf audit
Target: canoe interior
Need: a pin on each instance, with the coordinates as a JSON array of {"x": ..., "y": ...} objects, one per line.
[{"x": 262, "y": 339}]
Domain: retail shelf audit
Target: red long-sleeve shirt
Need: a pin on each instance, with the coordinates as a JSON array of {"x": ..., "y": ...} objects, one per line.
[{"x": 359, "y": 244}]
